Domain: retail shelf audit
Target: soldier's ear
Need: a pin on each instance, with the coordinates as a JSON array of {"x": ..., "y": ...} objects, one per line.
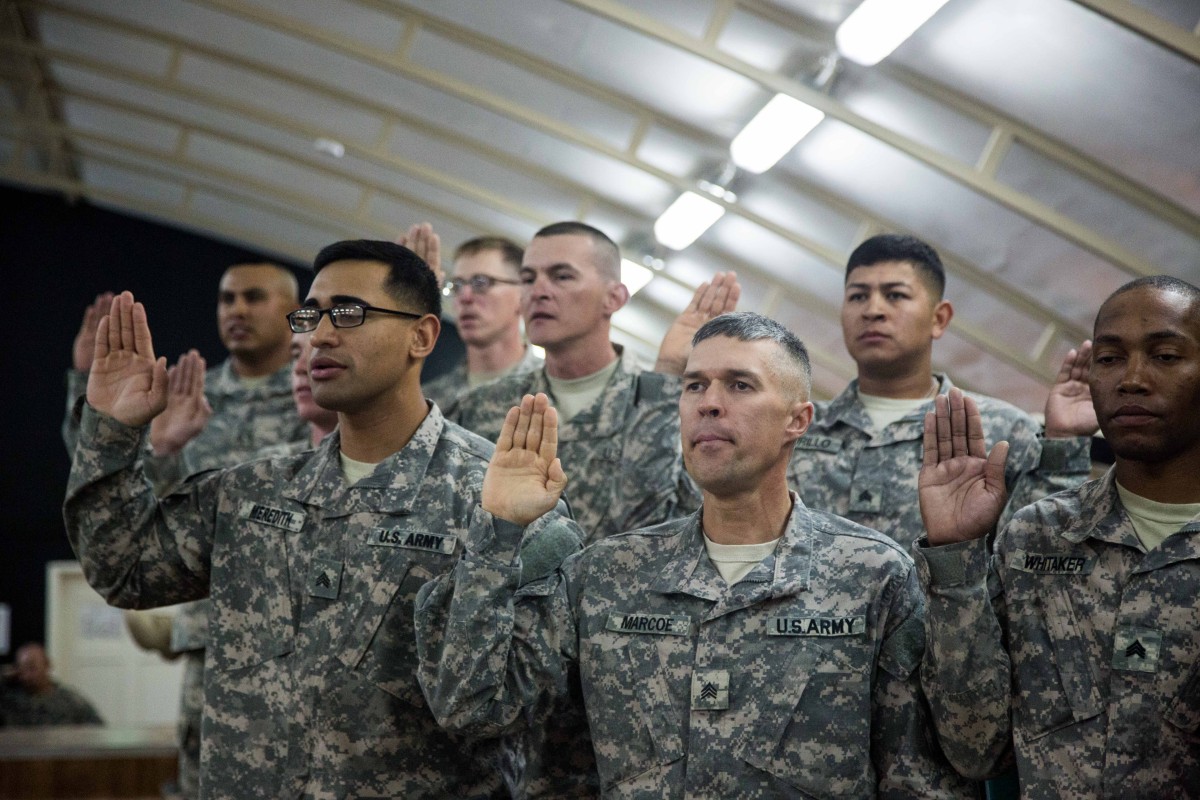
[
  {"x": 801, "y": 418},
  {"x": 424, "y": 336},
  {"x": 615, "y": 298},
  {"x": 943, "y": 312}
]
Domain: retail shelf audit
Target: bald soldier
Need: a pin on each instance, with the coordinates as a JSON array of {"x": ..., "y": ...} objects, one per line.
[
  {"x": 1076, "y": 645},
  {"x": 755, "y": 648}
]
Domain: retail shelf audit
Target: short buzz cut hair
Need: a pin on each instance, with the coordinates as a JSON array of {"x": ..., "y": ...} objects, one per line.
[
  {"x": 1165, "y": 283},
  {"x": 291, "y": 285},
  {"x": 750, "y": 326},
  {"x": 410, "y": 280},
  {"x": 510, "y": 252},
  {"x": 608, "y": 255},
  {"x": 901, "y": 247}
]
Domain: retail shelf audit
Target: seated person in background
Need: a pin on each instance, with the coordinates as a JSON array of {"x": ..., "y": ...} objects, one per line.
[
  {"x": 485, "y": 284},
  {"x": 754, "y": 649},
  {"x": 29, "y": 696},
  {"x": 1074, "y": 643}
]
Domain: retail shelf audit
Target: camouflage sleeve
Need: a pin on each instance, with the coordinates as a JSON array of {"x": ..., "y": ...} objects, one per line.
[
  {"x": 489, "y": 646},
  {"x": 136, "y": 551},
  {"x": 166, "y": 472},
  {"x": 653, "y": 458},
  {"x": 906, "y": 756},
  {"x": 1038, "y": 466},
  {"x": 966, "y": 670},
  {"x": 76, "y": 391}
]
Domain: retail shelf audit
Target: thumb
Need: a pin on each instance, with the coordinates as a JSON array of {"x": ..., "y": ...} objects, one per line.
[
  {"x": 994, "y": 471},
  {"x": 556, "y": 478}
]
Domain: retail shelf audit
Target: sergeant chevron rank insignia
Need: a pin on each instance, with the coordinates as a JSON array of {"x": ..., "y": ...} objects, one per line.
[
  {"x": 710, "y": 689},
  {"x": 324, "y": 578},
  {"x": 1136, "y": 649}
]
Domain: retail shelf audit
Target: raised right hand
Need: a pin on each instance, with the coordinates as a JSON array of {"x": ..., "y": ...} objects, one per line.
[
  {"x": 187, "y": 410},
  {"x": 126, "y": 381},
  {"x": 961, "y": 485},
  {"x": 525, "y": 479}
]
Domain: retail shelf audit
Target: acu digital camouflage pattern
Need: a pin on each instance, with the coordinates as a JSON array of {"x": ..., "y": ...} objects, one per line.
[
  {"x": 800, "y": 680},
  {"x": 1096, "y": 641},
  {"x": 310, "y": 687},
  {"x": 449, "y": 387},
  {"x": 845, "y": 466},
  {"x": 61, "y": 706},
  {"x": 245, "y": 421},
  {"x": 622, "y": 452}
]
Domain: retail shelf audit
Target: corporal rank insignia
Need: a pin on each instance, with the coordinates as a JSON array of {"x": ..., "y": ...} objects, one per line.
[
  {"x": 276, "y": 517},
  {"x": 816, "y": 626},
  {"x": 710, "y": 689},
  {"x": 1052, "y": 563},
  {"x": 415, "y": 540},
  {"x": 1137, "y": 649},
  {"x": 324, "y": 578},
  {"x": 662, "y": 624}
]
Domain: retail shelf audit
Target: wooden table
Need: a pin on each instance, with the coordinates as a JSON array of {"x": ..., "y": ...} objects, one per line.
[{"x": 86, "y": 761}]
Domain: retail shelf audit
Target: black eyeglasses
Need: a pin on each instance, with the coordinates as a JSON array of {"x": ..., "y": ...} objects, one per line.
[
  {"x": 343, "y": 315},
  {"x": 479, "y": 284}
]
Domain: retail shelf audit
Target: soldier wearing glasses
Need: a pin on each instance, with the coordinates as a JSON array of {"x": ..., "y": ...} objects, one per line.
[
  {"x": 312, "y": 560},
  {"x": 487, "y": 306}
]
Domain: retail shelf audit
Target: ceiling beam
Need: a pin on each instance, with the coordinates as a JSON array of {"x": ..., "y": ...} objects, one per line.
[{"x": 1149, "y": 25}]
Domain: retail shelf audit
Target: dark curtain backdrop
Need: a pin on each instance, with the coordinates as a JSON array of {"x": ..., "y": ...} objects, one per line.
[{"x": 57, "y": 255}]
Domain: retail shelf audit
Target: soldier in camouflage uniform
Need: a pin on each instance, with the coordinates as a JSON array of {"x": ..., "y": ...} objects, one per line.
[
  {"x": 755, "y": 649},
  {"x": 620, "y": 436},
  {"x": 1077, "y": 644},
  {"x": 618, "y": 433},
  {"x": 861, "y": 457},
  {"x": 30, "y": 697},
  {"x": 312, "y": 561},
  {"x": 487, "y": 307},
  {"x": 211, "y": 421}
]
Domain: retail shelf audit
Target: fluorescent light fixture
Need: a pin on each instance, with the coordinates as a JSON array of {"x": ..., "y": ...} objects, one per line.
[
  {"x": 877, "y": 27},
  {"x": 540, "y": 352},
  {"x": 634, "y": 275},
  {"x": 773, "y": 132},
  {"x": 684, "y": 220}
]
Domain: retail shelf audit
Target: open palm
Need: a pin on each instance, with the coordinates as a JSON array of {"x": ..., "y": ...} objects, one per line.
[
  {"x": 126, "y": 381},
  {"x": 525, "y": 479}
]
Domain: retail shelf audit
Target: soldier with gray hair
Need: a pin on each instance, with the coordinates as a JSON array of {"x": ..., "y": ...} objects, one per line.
[
  {"x": 756, "y": 648},
  {"x": 1075, "y": 644}
]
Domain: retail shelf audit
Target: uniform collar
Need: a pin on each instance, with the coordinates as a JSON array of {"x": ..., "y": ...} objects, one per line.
[
  {"x": 784, "y": 572},
  {"x": 391, "y": 489},
  {"x": 847, "y": 409}
]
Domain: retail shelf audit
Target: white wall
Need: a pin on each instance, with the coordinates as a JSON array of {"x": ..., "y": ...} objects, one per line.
[{"x": 92, "y": 651}]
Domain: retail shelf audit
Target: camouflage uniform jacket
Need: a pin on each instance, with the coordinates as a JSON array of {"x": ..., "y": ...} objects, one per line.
[
  {"x": 622, "y": 452},
  {"x": 310, "y": 687},
  {"x": 59, "y": 706},
  {"x": 1091, "y": 641},
  {"x": 449, "y": 387},
  {"x": 845, "y": 466},
  {"x": 800, "y": 680}
]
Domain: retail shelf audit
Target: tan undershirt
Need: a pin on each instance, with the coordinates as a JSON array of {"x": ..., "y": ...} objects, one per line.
[
  {"x": 734, "y": 561},
  {"x": 1153, "y": 521},
  {"x": 883, "y": 411},
  {"x": 572, "y": 395},
  {"x": 354, "y": 471}
]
